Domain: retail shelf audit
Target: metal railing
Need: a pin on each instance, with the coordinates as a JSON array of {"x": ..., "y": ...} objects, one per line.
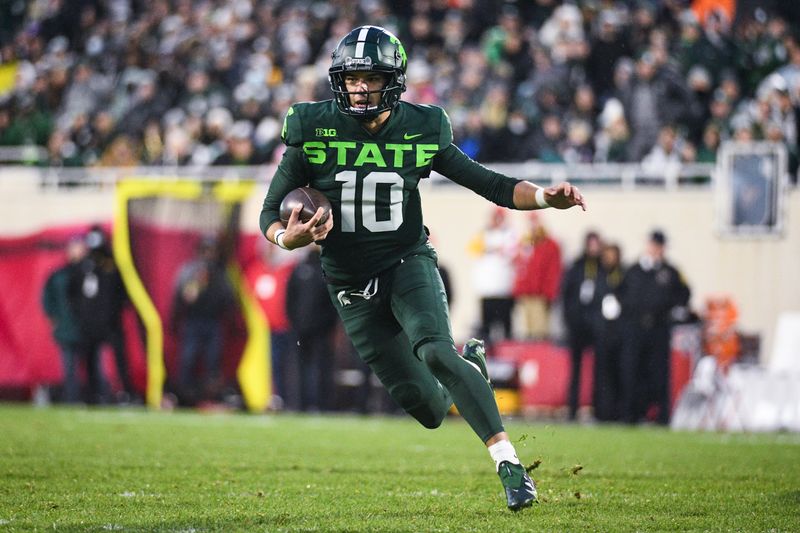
[{"x": 625, "y": 176}]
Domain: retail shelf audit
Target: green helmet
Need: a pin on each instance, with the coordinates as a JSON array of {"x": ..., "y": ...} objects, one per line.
[{"x": 369, "y": 48}]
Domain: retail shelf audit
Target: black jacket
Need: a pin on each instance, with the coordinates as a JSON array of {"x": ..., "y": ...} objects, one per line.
[
  {"x": 308, "y": 305},
  {"x": 648, "y": 295},
  {"x": 579, "y": 292}
]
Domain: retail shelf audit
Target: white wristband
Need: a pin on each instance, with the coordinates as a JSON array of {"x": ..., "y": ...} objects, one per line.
[
  {"x": 279, "y": 239},
  {"x": 540, "y": 201}
]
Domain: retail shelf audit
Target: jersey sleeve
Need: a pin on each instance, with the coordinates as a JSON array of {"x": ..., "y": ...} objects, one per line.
[
  {"x": 290, "y": 174},
  {"x": 460, "y": 168},
  {"x": 445, "y": 130},
  {"x": 292, "y": 132}
]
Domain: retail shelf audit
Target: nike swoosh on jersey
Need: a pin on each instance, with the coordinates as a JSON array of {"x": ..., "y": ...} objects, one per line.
[{"x": 408, "y": 137}]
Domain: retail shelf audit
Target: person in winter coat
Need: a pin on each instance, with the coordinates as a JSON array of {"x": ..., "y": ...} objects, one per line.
[
  {"x": 580, "y": 300},
  {"x": 653, "y": 294},
  {"x": 58, "y": 300},
  {"x": 537, "y": 279},
  {"x": 313, "y": 319}
]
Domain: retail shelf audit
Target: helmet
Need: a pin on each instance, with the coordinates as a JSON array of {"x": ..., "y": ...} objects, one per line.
[{"x": 371, "y": 49}]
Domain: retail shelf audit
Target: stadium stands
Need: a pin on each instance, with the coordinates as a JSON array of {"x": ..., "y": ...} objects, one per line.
[{"x": 134, "y": 82}]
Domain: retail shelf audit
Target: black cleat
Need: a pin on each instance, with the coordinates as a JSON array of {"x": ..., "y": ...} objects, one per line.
[{"x": 520, "y": 488}]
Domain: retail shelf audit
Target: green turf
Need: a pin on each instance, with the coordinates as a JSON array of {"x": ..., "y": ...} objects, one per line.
[{"x": 131, "y": 470}]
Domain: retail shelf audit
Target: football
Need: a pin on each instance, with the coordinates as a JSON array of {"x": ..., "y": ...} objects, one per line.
[{"x": 310, "y": 199}]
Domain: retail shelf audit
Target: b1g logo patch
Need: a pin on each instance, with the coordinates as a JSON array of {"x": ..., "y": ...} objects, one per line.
[{"x": 326, "y": 132}]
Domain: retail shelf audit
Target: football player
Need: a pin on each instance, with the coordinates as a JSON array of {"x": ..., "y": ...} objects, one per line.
[{"x": 367, "y": 151}]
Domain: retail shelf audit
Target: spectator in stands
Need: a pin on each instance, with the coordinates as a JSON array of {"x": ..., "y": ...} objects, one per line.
[
  {"x": 642, "y": 23},
  {"x": 122, "y": 152},
  {"x": 607, "y": 46},
  {"x": 693, "y": 48},
  {"x": 665, "y": 154},
  {"x": 514, "y": 141},
  {"x": 86, "y": 91},
  {"x": 313, "y": 320},
  {"x": 611, "y": 141},
  {"x": 66, "y": 57},
  {"x": 642, "y": 103},
  {"x": 720, "y": 47},
  {"x": 496, "y": 38},
  {"x": 707, "y": 153},
  {"x": 211, "y": 139},
  {"x": 177, "y": 147},
  {"x": 494, "y": 108},
  {"x": 100, "y": 301},
  {"x": 584, "y": 106},
  {"x": 494, "y": 249},
  {"x": 622, "y": 77},
  {"x": 96, "y": 136},
  {"x": 203, "y": 297},
  {"x": 721, "y": 109},
  {"x": 652, "y": 293},
  {"x": 608, "y": 344},
  {"x": 199, "y": 94},
  {"x": 743, "y": 130},
  {"x": 61, "y": 151},
  {"x": 700, "y": 84},
  {"x": 550, "y": 140},
  {"x": 538, "y": 94},
  {"x": 537, "y": 280},
  {"x": 731, "y": 88},
  {"x": 581, "y": 302},
  {"x": 761, "y": 47},
  {"x": 472, "y": 136},
  {"x": 150, "y": 100},
  {"x": 784, "y": 117},
  {"x": 59, "y": 299},
  {"x": 578, "y": 147},
  {"x": 28, "y": 125},
  {"x": 563, "y": 35},
  {"x": 152, "y": 143},
  {"x": 239, "y": 148},
  {"x": 505, "y": 47},
  {"x": 653, "y": 97}
]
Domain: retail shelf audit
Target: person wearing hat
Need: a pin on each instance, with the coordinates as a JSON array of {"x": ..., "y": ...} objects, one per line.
[
  {"x": 101, "y": 298},
  {"x": 651, "y": 293}
]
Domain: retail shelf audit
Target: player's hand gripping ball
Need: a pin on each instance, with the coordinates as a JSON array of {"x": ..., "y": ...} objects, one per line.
[{"x": 310, "y": 199}]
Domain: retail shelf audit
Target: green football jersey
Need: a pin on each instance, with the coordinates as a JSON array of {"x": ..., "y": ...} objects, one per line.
[{"x": 372, "y": 180}]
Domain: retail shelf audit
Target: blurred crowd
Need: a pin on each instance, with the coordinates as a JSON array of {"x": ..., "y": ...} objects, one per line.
[
  {"x": 207, "y": 82},
  {"x": 586, "y": 302},
  {"x": 314, "y": 366}
]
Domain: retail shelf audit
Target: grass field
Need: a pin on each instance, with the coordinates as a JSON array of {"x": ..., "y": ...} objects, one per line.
[{"x": 131, "y": 470}]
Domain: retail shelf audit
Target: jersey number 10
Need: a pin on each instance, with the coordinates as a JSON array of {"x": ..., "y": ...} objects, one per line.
[{"x": 369, "y": 196}]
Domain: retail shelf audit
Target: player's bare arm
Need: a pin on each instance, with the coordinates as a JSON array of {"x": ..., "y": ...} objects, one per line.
[
  {"x": 298, "y": 233},
  {"x": 561, "y": 196}
]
